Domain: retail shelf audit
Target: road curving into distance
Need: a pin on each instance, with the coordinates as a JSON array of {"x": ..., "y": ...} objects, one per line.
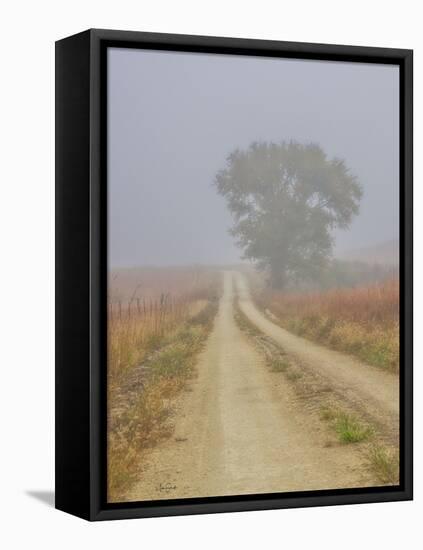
[
  {"x": 240, "y": 428},
  {"x": 372, "y": 390}
]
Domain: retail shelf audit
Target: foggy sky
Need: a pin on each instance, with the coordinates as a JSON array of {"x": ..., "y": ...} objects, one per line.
[{"x": 174, "y": 118}]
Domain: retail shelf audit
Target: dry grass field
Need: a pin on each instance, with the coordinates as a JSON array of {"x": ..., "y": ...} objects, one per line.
[
  {"x": 158, "y": 320},
  {"x": 362, "y": 321}
]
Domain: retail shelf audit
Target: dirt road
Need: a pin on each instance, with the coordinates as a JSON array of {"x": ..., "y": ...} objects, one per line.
[
  {"x": 371, "y": 390},
  {"x": 241, "y": 429}
]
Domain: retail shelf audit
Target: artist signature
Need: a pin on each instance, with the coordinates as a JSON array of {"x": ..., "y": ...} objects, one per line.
[{"x": 166, "y": 487}]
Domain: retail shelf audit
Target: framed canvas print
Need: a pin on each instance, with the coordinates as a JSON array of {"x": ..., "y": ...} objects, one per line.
[{"x": 234, "y": 274}]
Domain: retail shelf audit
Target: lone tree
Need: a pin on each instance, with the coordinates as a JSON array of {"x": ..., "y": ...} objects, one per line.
[{"x": 285, "y": 200}]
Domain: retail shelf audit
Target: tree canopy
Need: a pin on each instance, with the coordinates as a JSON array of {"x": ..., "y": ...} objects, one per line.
[{"x": 286, "y": 199}]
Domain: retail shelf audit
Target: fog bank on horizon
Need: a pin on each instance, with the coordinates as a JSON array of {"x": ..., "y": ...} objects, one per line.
[{"x": 174, "y": 117}]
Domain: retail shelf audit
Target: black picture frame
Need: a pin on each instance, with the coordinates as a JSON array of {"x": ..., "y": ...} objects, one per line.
[{"x": 81, "y": 272}]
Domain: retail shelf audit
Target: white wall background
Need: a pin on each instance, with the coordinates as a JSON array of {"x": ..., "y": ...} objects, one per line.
[{"x": 28, "y": 32}]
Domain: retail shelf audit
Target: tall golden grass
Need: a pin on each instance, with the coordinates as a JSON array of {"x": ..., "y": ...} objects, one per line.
[
  {"x": 363, "y": 321},
  {"x": 134, "y": 332},
  {"x": 153, "y": 338},
  {"x": 142, "y": 310}
]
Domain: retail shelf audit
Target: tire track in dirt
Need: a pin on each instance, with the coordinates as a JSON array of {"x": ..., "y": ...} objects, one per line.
[
  {"x": 239, "y": 429},
  {"x": 370, "y": 390}
]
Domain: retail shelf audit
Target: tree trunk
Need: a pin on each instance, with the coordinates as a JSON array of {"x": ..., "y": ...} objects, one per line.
[{"x": 278, "y": 279}]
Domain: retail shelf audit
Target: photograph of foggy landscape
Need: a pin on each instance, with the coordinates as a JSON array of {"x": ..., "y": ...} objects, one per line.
[{"x": 253, "y": 279}]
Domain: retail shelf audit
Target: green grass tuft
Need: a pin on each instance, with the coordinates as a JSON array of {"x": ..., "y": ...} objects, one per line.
[
  {"x": 350, "y": 430},
  {"x": 347, "y": 426},
  {"x": 278, "y": 364},
  {"x": 385, "y": 464}
]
